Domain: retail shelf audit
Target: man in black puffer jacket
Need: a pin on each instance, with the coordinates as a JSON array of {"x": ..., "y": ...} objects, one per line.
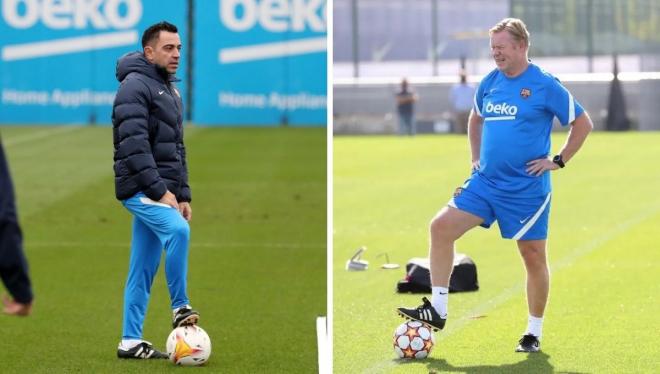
[
  {"x": 151, "y": 181},
  {"x": 13, "y": 264}
]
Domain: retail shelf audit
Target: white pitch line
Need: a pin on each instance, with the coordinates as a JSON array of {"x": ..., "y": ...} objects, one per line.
[
  {"x": 515, "y": 289},
  {"x": 32, "y": 136},
  {"x": 322, "y": 344}
]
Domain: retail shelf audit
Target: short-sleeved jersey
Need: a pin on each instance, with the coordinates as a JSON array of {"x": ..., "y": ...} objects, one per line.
[{"x": 518, "y": 114}]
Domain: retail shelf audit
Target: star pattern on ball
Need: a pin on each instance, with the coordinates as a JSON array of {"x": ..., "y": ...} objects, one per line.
[
  {"x": 411, "y": 332},
  {"x": 408, "y": 352},
  {"x": 428, "y": 344},
  {"x": 416, "y": 338}
]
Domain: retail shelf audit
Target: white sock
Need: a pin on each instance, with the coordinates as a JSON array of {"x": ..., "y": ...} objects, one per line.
[
  {"x": 439, "y": 297},
  {"x": 127, "y": 344},
  {"x": 534, "y": 326}
]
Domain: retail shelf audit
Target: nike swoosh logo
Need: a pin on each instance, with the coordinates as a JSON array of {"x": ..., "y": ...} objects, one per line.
[
  {"x": 524, "y": 220},
  {"x": 160, "y": 92},
  {"x": 442, "y": 293}
]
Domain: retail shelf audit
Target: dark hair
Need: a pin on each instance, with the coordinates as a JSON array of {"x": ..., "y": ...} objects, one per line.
[{"x": 154, "y": 30}]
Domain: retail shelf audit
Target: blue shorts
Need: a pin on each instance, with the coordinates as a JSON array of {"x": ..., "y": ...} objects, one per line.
[{"x": 519, "y": 218}]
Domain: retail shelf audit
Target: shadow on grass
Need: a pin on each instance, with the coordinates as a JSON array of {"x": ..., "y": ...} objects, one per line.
[{"x": 534, "y": 363}]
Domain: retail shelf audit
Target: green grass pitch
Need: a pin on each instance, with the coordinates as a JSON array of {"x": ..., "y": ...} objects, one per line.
[
  {"x": 257, "y": 269},
  {"x": 604, "y": 309}
]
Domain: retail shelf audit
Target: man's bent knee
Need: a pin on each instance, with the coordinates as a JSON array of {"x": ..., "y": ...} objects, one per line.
[
  {"x": 439, "y": 224},
  {"x": 452, "y": 223},
  {"x": 442, "y": 229}
]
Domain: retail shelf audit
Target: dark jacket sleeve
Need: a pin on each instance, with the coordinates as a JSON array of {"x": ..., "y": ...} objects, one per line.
[
  {"x": 132, "y": 117},
  {"x": 186, "y": 194}
]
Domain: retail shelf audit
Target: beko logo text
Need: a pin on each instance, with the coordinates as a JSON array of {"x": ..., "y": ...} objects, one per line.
[
  {"x": 67, "y": 14},
  {"x": 273, "y": 15},
  {"x": 503, "y": 108}
]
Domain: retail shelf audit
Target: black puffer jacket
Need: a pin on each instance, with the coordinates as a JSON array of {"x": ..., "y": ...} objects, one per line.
[{"x": 148, "y": 133}]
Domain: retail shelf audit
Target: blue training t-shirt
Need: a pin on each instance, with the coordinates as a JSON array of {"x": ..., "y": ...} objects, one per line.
[{"x": 518, "y": 114}]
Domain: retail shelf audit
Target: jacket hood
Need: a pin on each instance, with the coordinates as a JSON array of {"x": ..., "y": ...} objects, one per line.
[{"x": 135, "y": 62}]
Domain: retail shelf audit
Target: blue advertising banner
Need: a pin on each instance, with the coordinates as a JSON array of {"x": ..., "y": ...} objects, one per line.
[
  {"x": 260, "y": 62},
  {"x": 58, "y": 57}
]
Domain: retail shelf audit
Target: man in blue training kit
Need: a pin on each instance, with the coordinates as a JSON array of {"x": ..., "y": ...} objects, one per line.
[
  {"x": 151, "y": 181},
  {"x": 509, "y": 130}
]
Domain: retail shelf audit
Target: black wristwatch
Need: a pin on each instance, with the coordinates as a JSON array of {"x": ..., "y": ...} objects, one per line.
[{"x": 559, "y": 161}]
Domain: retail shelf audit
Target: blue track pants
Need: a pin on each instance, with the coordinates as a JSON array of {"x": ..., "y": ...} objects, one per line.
[{"x": 155, "y": 226}]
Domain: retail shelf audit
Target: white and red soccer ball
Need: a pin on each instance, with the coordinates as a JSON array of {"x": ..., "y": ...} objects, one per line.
[
  {"x": 188, "y": 346},
  {"x": 413, "y": 340}
]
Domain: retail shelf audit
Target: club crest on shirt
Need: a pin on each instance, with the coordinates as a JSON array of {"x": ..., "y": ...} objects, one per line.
[
  {"x": 458, "y": 191},
  {"x": 525, "y": 93}
]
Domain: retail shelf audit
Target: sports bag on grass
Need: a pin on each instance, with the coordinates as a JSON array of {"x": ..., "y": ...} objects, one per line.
[{"x": 418, "y": 277}]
